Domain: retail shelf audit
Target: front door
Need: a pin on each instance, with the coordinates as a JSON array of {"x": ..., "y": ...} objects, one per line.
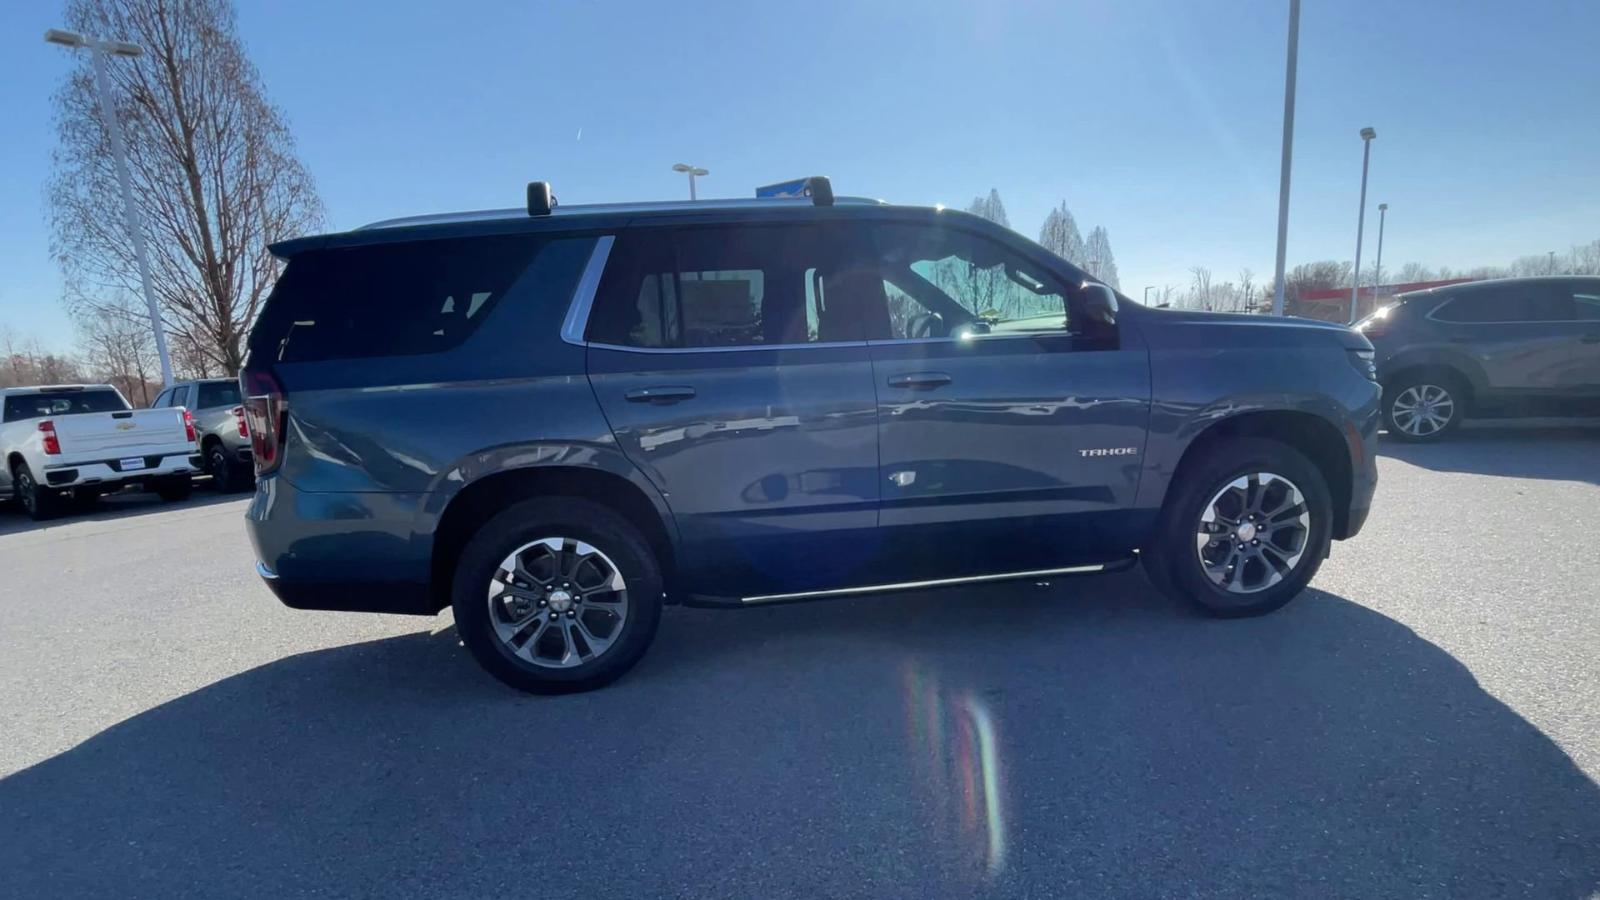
[
  {"x": 1008, "y": 440},
  {"x": 748, "y": 401}
]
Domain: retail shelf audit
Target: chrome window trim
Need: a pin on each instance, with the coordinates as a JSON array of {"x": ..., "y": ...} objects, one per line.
[
  {"x": 740, "y": 348},
  {"x": 577, "y": 320}
]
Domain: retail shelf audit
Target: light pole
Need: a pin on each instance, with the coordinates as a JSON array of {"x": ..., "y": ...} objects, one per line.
[
  {"x": 693, "y": 172},
  {"x": 1148, "y": 288},
  {"x": 1377, "y": 267},
  {"x": 130, "y": 213},
  {"x": 1288, "y": 147},
  {"x": 1367, "y": 134}
]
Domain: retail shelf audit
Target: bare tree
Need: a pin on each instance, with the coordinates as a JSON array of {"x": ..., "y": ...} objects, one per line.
[
  {"x": 990, "y": 208},
  {"x": 1200, "y": 287},
  {"x": 118, "y": 346},
  {"x": 1247, "y": 289},
  {"x": 1059, "y": 235},
  {"x": 1413, "y": 272},
  {"x": 213, "y": 166},
  {"x": 1102, "y": 264}
]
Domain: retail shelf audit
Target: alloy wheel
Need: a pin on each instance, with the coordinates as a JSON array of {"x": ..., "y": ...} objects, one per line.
[
  {"x": 1422, "y": 410},
  {"x": 1253, "y": 532},
  {"x": 557, "y": 602}
]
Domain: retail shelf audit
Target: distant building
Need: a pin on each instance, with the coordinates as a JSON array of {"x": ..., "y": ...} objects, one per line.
[{"x": 1333, "y": 304}]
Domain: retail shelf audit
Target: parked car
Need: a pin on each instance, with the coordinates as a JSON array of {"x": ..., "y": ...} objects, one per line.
[
  {"x": 1508, "y": 347},
  {"x": 219, "y": 421},
  {"x": 554, "y": 421},
  {"x": 83, "y": 440}
]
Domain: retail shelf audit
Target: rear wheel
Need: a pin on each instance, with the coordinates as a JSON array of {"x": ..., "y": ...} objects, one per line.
[
  {"x": 37, "y": 501},
  {"x": 1423, "y": 407},
  {"x": 225, "y": 476},
  {"x": 1245, "y": 529},
  {"x": 557, "y": 595}
]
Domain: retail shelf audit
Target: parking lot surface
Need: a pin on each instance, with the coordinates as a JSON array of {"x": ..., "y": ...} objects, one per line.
[{"x": 1425, "y": 722}]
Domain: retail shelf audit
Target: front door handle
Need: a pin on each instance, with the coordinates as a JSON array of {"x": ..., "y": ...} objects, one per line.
[
  {"x": 919, "y": 380},
  {"x": 660, "y": 393}
]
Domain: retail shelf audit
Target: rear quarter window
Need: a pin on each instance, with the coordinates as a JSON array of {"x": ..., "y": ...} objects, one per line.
[{"x": 388, "y": 299}]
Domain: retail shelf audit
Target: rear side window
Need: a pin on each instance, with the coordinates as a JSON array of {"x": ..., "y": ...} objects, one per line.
[
  {"x": 221, "y": 393},
  {"x": 1508, "y": 303},
  {"x": 388, "y": 299},
  {"x": 727, "y": 287},
  {"x": 1585, "y": 300},
  {"x": 61, "y": 403}
]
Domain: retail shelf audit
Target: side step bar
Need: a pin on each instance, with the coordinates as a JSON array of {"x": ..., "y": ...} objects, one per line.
[{"x": 799, "y": 596}]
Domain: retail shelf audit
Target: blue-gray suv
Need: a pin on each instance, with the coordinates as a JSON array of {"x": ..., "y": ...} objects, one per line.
[{"x": 554, "y": 420}]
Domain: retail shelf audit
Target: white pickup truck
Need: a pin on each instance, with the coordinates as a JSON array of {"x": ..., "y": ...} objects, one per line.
[{"x": 84, "y": 439}]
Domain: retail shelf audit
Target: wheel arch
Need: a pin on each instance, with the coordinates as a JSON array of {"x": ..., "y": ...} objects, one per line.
[
  {"x": 1437, "y": 369},
  {"x": 468, "y": 508},
  {"x": 1316, "y": 437}
]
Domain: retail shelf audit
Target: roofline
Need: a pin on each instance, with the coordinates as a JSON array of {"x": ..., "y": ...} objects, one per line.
[{"x": 41, "y": 388}]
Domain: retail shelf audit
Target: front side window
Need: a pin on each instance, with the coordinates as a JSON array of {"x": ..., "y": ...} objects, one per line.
[
  {"x": 943, "y": 281},
  {"x": 698, "y": 288}
]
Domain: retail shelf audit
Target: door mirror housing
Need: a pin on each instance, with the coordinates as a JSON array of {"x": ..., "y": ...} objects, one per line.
[{"x": 1096, "y": 311}]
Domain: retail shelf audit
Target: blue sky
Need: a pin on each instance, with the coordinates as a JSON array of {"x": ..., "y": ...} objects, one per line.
[{"x": 1159, "y": 119}]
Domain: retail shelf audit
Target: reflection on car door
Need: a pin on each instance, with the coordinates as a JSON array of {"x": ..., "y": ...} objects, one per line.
[
  {"x": 746, "y": 399},
  {"x": 1521, "y": 335},
  {"x": 1014, "y": 450},
  {"x": 1585, "y": 296}
]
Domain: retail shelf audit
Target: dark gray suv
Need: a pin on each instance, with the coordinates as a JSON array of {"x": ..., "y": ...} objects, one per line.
[
  {"x": 1509, "y": 347},
  {"x": 554, "y": 421}
]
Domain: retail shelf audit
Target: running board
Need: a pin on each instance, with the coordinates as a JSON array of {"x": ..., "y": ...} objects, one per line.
[{"x": 918, "y": 585}]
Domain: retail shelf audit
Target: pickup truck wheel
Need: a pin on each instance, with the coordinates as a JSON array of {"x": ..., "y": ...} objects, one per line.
[
  {"x": 39, "y": 503},
  {"x": 1423, "y": 407},
  {"x": 224, "y": 475},
  {"x": 557, "y": 595},
  {"x": 1245, "y": 529},
  {"x": 175, "y": 488}
]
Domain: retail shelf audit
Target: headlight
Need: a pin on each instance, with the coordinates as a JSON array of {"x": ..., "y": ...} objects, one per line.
[{"x": 1365, "y": 362}]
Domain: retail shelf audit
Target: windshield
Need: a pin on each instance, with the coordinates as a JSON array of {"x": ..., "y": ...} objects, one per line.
[{"x": 62, "y": 403}]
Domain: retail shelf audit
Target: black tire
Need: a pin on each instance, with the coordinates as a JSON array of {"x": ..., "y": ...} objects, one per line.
[
  {"x": 175, "y": 488},
  {"x": 1173, "y": 561},
  {"x": 40, "y": 503},
  {"x": 532, "y": 520},
  {"x": 1396, "y": 391},
  {"x": 225, "y": 474}
]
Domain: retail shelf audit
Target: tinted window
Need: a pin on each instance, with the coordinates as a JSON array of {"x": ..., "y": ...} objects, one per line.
[
  {"x": 1507, "y": 303},
  {"x": 161, "y": 399},
  {"x": 939, "y": 279},
  {"x": 181, "y": 396},
  {"x": 726, "y": 287},
  {"x": 1585, "y": 300},
  {"x": 218, "y": 393},
  {"x": 61, "y": 403},
  {"x": 388, "y": 299}
]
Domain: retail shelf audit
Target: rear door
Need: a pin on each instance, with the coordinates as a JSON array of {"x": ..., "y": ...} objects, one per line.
[
  {"x": 1585, "y": 296},
  {"x": 1009, "y": 441},
  {"x": 1521, "y": 335},
  {"x": 735, "y": 381}
]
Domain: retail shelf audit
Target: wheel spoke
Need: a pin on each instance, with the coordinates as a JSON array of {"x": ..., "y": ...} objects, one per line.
[
  {"x": 554, "y": 582},
  {"x": 597, "y": 645}
]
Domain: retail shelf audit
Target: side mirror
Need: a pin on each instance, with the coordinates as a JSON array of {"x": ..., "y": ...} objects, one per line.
[{"x": 1096, "y": 311}]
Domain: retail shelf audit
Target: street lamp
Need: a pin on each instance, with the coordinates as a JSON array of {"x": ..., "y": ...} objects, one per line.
[
  {"x": 693, "y": 172},
  {"x": 1377, "y": 267},
  {"x": 1367, "y": 134},
  {"x": 98, "y": 50},
  {"x": 1288, "y": 147},
  {"x": 1147, "y": 290}
]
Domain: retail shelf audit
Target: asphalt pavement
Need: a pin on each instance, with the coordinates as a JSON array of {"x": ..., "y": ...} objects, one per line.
[{"x": 1424, "y": 722}]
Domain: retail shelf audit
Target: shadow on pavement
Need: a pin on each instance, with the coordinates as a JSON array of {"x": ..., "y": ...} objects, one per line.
[
  {"x": 1081, "y": 738},
  {"x": 121, "y": 505},
  {"x": 1561, "y": 453}
]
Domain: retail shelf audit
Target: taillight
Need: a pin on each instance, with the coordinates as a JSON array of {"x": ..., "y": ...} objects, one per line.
[
  {"x": 266, "y": 417},
  {"x": 188, "y": 424},
  {"x": 238, "y": 418},
  {"x": 52, "y": 444}
]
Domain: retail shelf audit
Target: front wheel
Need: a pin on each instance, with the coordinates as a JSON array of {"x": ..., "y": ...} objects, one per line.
[
  {"x": 1245, "y": 529},
  {"x": 557, "y": 595}
]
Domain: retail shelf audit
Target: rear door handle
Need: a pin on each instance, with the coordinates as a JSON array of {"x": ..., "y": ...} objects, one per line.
[
  {"x": 660, "y": 393},
  {"x": 919, "y": 380}
]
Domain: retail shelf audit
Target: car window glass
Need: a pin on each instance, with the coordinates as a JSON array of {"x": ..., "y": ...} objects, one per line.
[
  {"x": 218, "y": 393},
  {"x": 1506, "y": 303},
  {"x": 161, "y": 399},
  {"x": 389, "y": 299},
  {"x": 937, "y": 280},
  {"x": 180, "y": 396},
  {"x": 1586, "y": 301},
  {"x": 723, "y": 287},
  {"x": 61, "y": 403}
]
